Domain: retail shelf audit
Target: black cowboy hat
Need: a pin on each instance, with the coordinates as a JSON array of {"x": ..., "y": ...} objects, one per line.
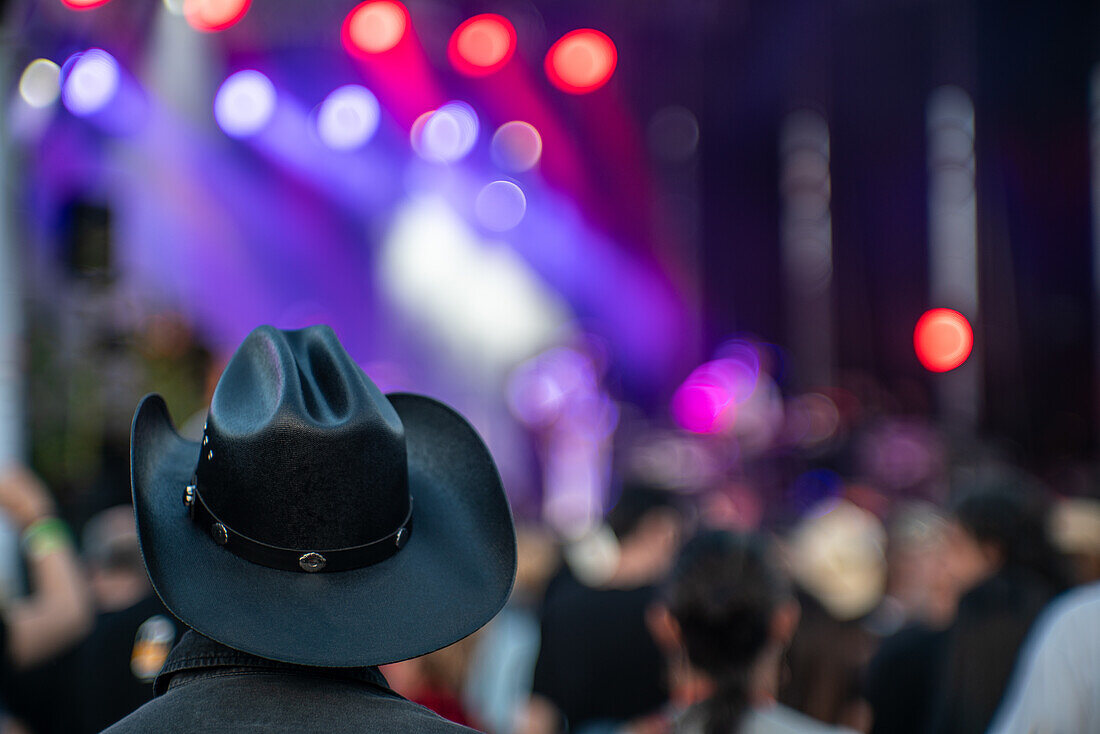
[{"x": 320, "y": 522}]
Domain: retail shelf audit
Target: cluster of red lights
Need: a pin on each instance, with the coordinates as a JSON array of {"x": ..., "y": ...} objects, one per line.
[{"x": 581, "y": 61}]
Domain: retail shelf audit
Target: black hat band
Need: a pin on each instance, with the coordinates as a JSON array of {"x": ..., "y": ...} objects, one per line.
[{"x": 291, "y": 559}]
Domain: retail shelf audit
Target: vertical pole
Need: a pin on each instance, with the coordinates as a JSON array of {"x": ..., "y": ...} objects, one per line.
[
  {"x": 806, "y": 240},
  {"x": 953, "y": 241}
]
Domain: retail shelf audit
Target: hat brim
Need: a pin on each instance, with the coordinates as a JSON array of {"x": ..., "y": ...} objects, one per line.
[{"x": 451, "y": 577}]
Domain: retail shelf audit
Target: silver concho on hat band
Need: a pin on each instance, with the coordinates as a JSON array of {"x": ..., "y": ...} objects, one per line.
[{"x": 311, "y": 562}]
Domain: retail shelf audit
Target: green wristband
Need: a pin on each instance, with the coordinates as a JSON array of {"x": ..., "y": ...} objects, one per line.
[{"x": 43, "y": 537}]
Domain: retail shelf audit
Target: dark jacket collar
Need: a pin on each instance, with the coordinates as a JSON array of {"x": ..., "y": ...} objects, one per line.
[{"x": 195, "y": 654}]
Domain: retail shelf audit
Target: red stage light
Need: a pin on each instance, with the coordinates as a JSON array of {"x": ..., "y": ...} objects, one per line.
[
  {"x": 214, "y": 15},
  {"x": 83, "y": 4},
  {"x": 581, "y": 61},
  {"x": 375, "y": 26},
  {"x": 483, "y": 44},
  {"x": 943, "y": 339}
]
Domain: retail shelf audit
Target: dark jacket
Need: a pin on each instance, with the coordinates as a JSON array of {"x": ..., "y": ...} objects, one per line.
[{"x": 207, "y": 687}]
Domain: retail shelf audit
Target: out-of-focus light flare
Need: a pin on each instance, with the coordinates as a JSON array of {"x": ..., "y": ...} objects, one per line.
[
  {"x": 500, "y": 206},
  {"x": 943, "y": 339},
  {"x": 244, "y": 103},
  {"x": 210, "y": 16},
  {"x": 348, "y": 117},
  {"x": 516, "y": 146},
  {"x": 175, "y": 7},
  {"x": 581, "y": 61},
  {"x": 83, "y": 4},
  {"x": 374, "y": 27},
  {"x": 706, "y": 401},
  {"x": 673, "y": 134},
  {"x": 40, "y": 84},
  {"x": 91, "y": 80},
  {"x": 482, "y": 45},
  {"x": 448, "y": 134}
]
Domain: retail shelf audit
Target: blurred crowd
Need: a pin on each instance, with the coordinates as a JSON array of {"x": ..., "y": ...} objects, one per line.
[
  {"x": 665, "y": 617},
  {"x": 827, "y": 561}
]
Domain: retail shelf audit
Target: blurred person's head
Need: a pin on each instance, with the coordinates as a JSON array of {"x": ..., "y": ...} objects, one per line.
[
  {"x": 837, "y": 554},
  {"x": 1075, "y": 531},
  {"x": 916, "y": 580},
  {"x": 648, "y": 523},
  {"x": 1000, "y": 526},
  {"x": 117, "y": 574},
  {"x": 733, "y": 613}
]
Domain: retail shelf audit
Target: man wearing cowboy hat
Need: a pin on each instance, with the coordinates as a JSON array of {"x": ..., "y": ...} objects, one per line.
[{"x": 318, "y": 530}]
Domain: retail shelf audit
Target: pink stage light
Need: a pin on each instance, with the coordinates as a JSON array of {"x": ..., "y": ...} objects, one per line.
[
  {"x": 210, "y": 16},
  {"x": 706, "y": 401},
  {"x": 374, "y": 27},
  {"x": 943, "y": 339},
  {"x": 581, "y": 61},
  {"x": 83, "y": 4},
  {"x": 481, "y": 45}
]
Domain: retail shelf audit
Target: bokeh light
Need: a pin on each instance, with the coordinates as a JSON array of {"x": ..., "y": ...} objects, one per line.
[
  {"x": 83, "y": 4},
  {"x": 244, "y": 103},
  {"x": 943, "y": 339},
  {"x": 40, "y": 83},
  {"x": 482, "y": 45},
  {"x": 375, "y": 26},
  {"x": 210, "y": 16},
  {"x": 500, "y": 206},
  {"x": 706, "y": 401},
  {"x": 581, "y": 61},
  {"x": 673, "y": 134},
  {"x": 348, "y": 117},
  {"x": 91, "y": 80},
  {"x": 516, "y": 146},
  {"x": 448, "y": 134}
]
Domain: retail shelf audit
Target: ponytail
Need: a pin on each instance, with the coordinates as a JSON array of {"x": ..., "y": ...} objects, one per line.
[{"x": 726, "y": 708}]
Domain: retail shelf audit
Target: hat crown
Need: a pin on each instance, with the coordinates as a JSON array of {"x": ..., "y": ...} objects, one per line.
[{"x": 301, "y": 450}]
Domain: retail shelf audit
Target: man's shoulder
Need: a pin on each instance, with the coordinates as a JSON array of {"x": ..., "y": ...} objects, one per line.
[
  {"x": 781, "y": 719},
  {"x": 272, "y": 702}
]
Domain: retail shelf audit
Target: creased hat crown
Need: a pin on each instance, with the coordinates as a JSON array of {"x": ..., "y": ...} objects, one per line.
[{"x": 301, "y": 449}]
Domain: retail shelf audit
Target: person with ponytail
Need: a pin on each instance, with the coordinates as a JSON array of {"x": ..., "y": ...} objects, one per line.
[{"x": 730, "y": 613}]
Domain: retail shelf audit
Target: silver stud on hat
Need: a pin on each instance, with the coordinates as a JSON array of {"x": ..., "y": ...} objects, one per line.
[
  {"x": 312, "y": 562},
  {"x": 399, "y": 539},
  {"x": 189, "y": 495},
  {"x": 221, "y": 535}
]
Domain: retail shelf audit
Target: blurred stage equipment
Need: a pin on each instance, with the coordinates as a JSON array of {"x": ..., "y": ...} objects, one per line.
[
  {"x": 806, "y": 239},
  {"x": 952, "y": 256}
]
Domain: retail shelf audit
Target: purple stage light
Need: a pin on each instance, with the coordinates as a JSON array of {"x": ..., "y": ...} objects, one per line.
[
  {"x": 348, "y": 117},
  {"x": 500, "y": 206},
  {"x": 449, "y": 134},
  {"x": 91, "y": 81},
  {"x": 244, "y": 103}
]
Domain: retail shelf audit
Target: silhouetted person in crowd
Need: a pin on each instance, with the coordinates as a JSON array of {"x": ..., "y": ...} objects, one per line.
[
  {"x": 999, "y": 551},
  {"x": 734, "y": 612},
  {"x": 902, "y": 680},
  {"x": 598, "y": 668},
  {"x": 317, "y": 530}
]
